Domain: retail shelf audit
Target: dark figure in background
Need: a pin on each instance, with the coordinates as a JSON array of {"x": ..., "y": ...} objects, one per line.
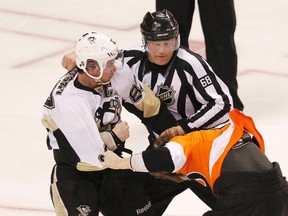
[{"x": 218, "y": 20}]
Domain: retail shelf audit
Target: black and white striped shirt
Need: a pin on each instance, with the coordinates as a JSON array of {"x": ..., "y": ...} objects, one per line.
[{"x": 193, "y": 93}]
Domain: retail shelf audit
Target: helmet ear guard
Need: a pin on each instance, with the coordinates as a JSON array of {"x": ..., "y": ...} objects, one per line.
[{"x": 94, "y": 49}]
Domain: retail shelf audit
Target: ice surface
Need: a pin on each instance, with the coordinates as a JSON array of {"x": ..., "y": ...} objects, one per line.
[{"x": 36, "y": 34}]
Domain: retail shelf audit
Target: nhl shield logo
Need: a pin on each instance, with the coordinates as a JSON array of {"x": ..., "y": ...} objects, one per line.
[{"x": 166, "y": 94}]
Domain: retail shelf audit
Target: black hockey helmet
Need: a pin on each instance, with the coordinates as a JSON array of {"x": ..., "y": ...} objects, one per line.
[{"x": 159, "y": 25}]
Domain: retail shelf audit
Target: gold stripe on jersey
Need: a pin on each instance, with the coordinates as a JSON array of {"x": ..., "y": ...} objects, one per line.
[
  {"x": 59, "y": 206},
  {"x": 150, "y": 105},
  {"x": 82, "y": 166},
  {"x": 48, "y": 122}
]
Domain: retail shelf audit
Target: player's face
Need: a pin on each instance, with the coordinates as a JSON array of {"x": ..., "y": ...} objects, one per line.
[
  {"x": 109, "y": 71},
  {"x": 160, "y": 52},
  {"x": 93, "y": 69}
]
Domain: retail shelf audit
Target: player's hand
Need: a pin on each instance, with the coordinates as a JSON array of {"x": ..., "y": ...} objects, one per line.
[
  {"x": 171, "y": 132},
  {"x": 113, "y": 161},
  {"x": 69, "y": 61},
  {"x": 121, "y": 130}
]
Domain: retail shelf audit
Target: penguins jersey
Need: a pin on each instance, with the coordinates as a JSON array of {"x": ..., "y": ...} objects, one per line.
[
  {"x": 196, "y": 97},
  {"x": 78, "y": 114}
]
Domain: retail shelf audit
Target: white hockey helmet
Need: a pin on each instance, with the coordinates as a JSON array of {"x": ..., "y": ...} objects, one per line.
[{"x": 96, "y": 47}]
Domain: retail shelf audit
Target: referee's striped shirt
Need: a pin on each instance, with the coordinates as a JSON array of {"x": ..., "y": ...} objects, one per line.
[{"x": 193, "y": 93}]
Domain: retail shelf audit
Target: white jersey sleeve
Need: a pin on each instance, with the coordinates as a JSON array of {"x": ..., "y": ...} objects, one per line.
[{"x": 127, "y": 86}]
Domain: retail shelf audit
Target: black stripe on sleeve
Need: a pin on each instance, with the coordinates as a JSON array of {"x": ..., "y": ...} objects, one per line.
[{"x": 158, "y": 159}]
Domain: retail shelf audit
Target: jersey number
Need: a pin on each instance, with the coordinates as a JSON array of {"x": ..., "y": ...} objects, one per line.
[
  {"x": 205, "y": 81},
  {"x": 135, "y": 93}
]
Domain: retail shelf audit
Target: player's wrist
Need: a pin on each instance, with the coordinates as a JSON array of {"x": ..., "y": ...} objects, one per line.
[{"x": 124, "y": 163}]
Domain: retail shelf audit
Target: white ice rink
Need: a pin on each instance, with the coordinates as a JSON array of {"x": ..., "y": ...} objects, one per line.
[{"x": 35, "y": 34}]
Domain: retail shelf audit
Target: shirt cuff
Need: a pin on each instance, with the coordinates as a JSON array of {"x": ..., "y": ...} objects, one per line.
[{"x": 137, "y": 163}]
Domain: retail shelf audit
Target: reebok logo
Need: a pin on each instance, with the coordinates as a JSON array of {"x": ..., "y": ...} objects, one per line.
[{"x": 144, "y": 209}]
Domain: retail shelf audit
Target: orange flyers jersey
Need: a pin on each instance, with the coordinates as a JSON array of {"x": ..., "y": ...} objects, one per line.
[{"x": 205, "y": 150}]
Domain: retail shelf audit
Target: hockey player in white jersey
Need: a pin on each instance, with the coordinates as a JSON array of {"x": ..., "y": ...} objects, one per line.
[
  {"x": 83, "y": 119},
  {"x": 182, "y": 79}
]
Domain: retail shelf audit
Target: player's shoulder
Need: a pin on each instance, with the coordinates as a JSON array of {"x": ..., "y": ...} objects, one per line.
[
  {"x": 125, "y": 83},
  {"x": 64, "y": 84}
]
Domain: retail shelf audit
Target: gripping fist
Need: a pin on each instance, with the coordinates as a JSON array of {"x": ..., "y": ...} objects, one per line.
[
  {"x": 69, "y": 61},
  {"x": 168, "y": 134},
  {"x": 115, "y": 139},
  {"x": 113, "y": 161},
  {"x": 121, "y": 130}
]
